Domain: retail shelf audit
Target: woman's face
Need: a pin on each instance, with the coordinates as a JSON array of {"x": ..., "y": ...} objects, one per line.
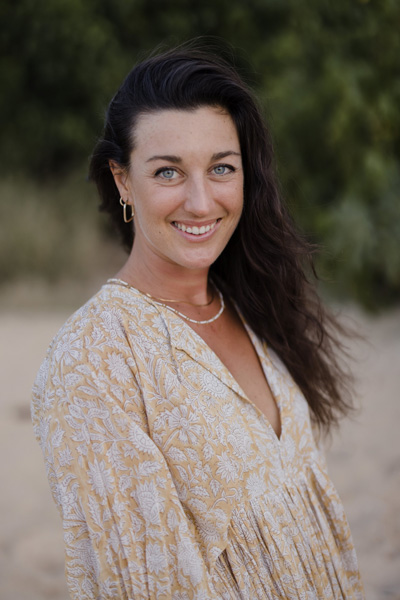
[{"x": 185, "y": 183}]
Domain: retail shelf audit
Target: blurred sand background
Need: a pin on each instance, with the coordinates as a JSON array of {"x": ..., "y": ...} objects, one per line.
[
  {"x": 327, "y": 77},
  {"x": 364, "y": 456}
]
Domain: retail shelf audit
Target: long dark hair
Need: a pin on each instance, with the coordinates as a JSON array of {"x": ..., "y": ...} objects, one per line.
[{"x": 267, "y": 265}]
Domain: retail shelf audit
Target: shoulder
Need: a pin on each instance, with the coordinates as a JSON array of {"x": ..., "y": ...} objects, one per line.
[
  {"x": 96, "y": 357},
  {"x": 101, "y": 346},
  {"x": 113, "y": 318}
]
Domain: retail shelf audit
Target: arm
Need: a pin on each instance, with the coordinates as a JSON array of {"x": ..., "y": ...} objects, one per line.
[{"x": 126, "y": 533}]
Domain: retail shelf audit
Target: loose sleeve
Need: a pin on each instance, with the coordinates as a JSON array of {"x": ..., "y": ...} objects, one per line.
[{"x": 126, "y": 533}]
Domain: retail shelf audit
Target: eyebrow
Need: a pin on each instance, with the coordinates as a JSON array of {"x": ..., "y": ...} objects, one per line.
[{"x": 177, "y": 159}]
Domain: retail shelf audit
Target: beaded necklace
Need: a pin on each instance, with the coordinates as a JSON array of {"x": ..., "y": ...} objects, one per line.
[{"x": 177, "y": 312}]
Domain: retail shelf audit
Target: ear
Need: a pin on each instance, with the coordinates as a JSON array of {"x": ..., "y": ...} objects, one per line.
[{"x": 121, "y": 179}]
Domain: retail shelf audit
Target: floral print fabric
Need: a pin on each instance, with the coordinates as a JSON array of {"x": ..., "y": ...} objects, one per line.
[{"x": 170, "y": 482}]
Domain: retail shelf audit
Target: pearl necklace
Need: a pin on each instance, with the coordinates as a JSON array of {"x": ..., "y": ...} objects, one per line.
[{"x": 177, "y": 312}]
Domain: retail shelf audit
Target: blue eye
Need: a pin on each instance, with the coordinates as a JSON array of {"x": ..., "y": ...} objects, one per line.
[
  {"x": 223, "y": 169},
  {"x": 166, "y": 173}
]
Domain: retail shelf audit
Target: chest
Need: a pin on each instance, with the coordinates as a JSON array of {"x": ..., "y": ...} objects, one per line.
[
  {"x": 192, "y": 391},
  {"x": 233, "y": 346}
]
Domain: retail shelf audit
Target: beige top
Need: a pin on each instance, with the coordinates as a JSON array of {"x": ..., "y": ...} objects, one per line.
[{"x": 170, "y": 482}]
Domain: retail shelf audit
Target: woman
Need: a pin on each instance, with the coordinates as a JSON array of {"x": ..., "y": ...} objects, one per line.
[{"x": 174, "y": 409}]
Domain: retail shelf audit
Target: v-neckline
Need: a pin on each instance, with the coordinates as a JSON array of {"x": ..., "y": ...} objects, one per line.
[
  {"x": 260, "y": 350},
  {"x": 256, "y": 343}
]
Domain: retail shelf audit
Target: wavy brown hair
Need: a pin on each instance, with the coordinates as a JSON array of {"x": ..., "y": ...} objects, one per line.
[{"x": 267, "y": 266}]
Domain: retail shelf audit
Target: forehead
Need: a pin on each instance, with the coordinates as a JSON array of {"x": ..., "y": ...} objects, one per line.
[{"x": 203, "y": 126}]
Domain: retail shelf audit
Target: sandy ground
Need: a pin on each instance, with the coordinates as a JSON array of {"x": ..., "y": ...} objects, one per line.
[{"x": 364, "y": 460}]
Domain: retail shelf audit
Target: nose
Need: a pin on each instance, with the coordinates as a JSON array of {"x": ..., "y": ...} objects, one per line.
[{"x": 198, "y": 200}]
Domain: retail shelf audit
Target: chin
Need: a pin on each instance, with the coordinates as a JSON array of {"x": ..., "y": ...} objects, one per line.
[
  {"x": 203, "y": 262},
  {"x": 197, "y": 266}
]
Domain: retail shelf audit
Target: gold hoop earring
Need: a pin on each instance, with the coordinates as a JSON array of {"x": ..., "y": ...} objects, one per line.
[{"x": 124, "y": 205}]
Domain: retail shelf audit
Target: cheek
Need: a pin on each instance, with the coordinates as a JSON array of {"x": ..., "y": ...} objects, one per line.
[
  {"x": 236, "y": 197},
  {"x": 160, "y": 200}
]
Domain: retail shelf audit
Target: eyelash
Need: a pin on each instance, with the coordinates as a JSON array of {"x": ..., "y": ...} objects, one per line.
[
  {"x": 164, "y": 169},
  {"x": 230, "y": 167}
]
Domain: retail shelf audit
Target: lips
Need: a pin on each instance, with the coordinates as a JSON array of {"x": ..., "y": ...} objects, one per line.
[{"x": 195, "y": 229}]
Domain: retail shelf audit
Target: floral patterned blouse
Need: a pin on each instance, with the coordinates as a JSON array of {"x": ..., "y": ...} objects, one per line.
[{"x": 171, "y": 484}]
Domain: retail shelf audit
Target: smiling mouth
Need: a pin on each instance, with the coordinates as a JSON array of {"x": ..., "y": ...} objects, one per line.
[{"x": 194, "y": 230}]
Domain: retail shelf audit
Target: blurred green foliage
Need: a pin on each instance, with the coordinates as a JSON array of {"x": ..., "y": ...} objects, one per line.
[{"x": 327, "y": 74}]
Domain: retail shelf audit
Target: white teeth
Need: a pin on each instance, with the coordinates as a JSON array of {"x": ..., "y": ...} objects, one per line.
[{"x": 195, "y": 230}]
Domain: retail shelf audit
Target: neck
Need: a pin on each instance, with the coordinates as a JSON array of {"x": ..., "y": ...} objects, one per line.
[{"x": 166, "y": 280}]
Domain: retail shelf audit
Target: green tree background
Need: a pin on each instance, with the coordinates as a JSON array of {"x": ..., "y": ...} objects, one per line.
[{"x": 327, "y": 75}]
